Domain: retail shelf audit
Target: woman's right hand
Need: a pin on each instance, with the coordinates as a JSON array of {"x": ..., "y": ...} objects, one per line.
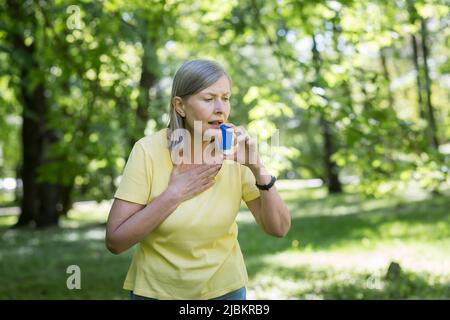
[{"x": 187, "y": 181}]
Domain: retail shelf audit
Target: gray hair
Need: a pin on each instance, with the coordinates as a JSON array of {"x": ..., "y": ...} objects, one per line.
[{"x": 191, "y": 78}]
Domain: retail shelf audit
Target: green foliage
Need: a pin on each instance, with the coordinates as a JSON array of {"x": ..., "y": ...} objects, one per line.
[{"x": 293, "y": 64}]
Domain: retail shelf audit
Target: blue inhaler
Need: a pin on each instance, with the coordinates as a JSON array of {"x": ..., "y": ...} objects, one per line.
[{"x": 227, "y": 139}]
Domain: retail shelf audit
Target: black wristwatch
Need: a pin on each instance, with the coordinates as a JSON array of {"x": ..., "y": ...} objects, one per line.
[{"x": 267, "y": 186}]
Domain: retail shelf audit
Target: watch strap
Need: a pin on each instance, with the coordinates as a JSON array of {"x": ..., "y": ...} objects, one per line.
[{"x": 267, "y": 186}]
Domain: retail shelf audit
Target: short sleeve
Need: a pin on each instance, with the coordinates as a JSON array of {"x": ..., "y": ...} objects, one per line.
[
  {"x": 135, "y": 185},
  {"x": 249, "y": 190}
]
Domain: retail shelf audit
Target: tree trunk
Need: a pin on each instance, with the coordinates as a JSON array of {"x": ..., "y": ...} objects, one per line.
[
  {"x": 66, "y": 195},
  {"x": 38, "y": 197},
  {"x": 387, "y": 76},
  {"x": 146, "y": 82},
  {"x": 431, "y": 118},
  {"x": 49, "y": 197},
  {"x": 346, "y": 94},
  {"x": 18, "y": 192},
  {"x": 413, "y": 16},
  {"x": 331, "y": 169},
  {"x": 418, "y": 78},
  {"x": 33, "y": 105},
  {"x": 49, "y": 193}
]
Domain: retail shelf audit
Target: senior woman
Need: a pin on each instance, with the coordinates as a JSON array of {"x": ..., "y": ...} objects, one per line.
[{"x": 182, "y": 213}]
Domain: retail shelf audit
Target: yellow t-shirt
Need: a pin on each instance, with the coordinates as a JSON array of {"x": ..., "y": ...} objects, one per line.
[{"x": 194, "y": 253}]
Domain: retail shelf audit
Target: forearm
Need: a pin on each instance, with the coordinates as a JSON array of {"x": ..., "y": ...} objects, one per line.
[
  {"x": 143, "y": 222},
  {"x": 274, "y": 215}
]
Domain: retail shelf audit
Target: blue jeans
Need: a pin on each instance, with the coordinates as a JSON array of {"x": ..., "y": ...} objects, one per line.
[{"x": 239, "y": 294}]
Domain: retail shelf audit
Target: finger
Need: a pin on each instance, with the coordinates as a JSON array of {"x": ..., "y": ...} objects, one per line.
[
  {"x": 241, "y": 139},
  {"x": 252, "y": 142},
  {"x": 202, "y": 188},
  {"x": 212, "y": 170},
  {"x": 240, "y": 130},
  {"x": 213, "y": 175},
  {"x": 201, "y": 168},
  {"x": 198, "y": 184},
  {"x": 207, "y": 185}
]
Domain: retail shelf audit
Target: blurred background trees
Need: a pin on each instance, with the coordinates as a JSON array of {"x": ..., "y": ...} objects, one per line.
[{"x": 358, "y": 90}]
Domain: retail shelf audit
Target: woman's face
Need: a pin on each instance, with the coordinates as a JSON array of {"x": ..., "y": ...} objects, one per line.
[{"x": 211, "y": 106}]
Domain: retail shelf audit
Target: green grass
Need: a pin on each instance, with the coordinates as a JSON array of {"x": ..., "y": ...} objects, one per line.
[{"x": 339, "y": 247}]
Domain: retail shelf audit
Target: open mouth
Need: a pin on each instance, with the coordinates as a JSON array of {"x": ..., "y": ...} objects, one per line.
[{"x": 215, "y": 123}]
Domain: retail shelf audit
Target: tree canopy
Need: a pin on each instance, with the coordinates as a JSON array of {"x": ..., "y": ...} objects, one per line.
[{"x": 358, "y": 91}]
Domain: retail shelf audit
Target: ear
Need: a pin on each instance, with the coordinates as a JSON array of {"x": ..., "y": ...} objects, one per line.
[{"x": 179, "y": 106}]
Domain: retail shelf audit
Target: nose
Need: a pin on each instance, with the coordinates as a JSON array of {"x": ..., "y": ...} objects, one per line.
[{"x": 219, "y": 106}]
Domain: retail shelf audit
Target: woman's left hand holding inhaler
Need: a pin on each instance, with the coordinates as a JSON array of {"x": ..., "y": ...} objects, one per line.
[{"x": 245, "y": 148}]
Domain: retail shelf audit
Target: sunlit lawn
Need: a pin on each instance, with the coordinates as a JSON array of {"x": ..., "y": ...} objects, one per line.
[{"x": 339, "y": 247}]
